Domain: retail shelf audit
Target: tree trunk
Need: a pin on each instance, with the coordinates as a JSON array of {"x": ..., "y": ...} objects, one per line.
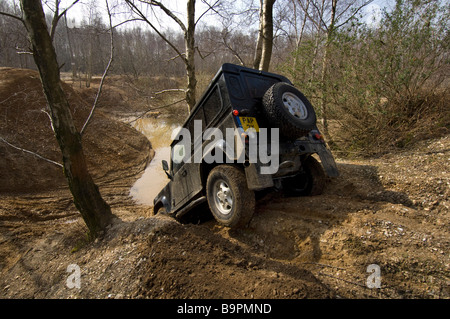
[
  {"x": 89, "y": 58},
  {"x": 258, "y": 50},
  {"x": 72, "y": 56},
  {"x": 300, "y": 36},
  {"x": 267, "y": 33},
  {"x": 325, "y": 63},
  {"x": 189, "y": 39},
  {"x": 94, "y": 210}
]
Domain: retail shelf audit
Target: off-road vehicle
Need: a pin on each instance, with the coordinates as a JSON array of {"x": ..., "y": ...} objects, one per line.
[{"x": 241, "y": 104}]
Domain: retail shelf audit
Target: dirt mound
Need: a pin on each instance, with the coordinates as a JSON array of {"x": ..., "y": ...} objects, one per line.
[
  {"x": 192, "y": 262},
  {"x": 112, "y": 148}
]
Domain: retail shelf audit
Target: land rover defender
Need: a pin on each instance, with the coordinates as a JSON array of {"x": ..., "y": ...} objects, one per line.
[{"x": 250, "y": 131}]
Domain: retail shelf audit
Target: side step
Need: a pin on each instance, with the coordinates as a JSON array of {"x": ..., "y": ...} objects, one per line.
[{"x": 190, "y": 206}]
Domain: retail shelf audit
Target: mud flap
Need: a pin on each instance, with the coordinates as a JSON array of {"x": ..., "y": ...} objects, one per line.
[
  {"x": 256, "y": 181},
  {"x": 328, "y": 162}
]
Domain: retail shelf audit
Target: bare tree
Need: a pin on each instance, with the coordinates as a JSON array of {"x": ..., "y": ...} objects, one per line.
[
  {"x": 188, "y": 30},
  {"x": 57, "y": 15},
  {"x": 94, "y": 210},
  {"x": 105, "y": 73}
]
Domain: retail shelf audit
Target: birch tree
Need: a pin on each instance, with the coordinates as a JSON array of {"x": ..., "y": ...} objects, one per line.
[{"x": 264, "y": 43}]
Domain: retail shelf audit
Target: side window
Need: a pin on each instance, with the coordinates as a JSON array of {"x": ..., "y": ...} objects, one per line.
[
  {"x": 212, "y": 105},
  {"x": 181, "y": 150},
  {"x": 197, "y": 117}
]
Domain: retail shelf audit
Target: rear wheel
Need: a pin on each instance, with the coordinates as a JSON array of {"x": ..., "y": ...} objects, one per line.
[
  {"x": 230, "y": 201},
  {"x": 310, "y": 182}
]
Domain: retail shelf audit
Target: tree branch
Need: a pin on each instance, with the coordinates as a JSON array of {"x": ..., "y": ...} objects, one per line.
[
  {"x": 155, "y": 108},
  {"x": 210, "y": 7},
  {"x": 170, "y": 90},
  {"x": 229, "y": 47},
  {"x": 352, "y": 15},
  {"x": 166, "y": 11},
  {"x": 13, "y": 16},
  {"x": 111, "y": 58},
  {"x": 139, "y": 13},
  {"x": 57, "y": 16},
  {"x": 30, "y": 152}
]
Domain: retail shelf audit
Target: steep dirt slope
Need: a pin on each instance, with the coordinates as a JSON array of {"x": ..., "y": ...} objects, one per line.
[{"x": 112, "y": 148}]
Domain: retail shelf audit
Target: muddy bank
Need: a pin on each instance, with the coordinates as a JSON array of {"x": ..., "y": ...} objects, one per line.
[{"x": 113, "y": 149}]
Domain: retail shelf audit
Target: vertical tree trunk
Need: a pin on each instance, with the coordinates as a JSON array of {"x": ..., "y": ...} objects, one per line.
[
  {"x": 94, "y": 210},
  {"x": 258, "y": 50},
  {"x": 72, "y": 56},
  {"x": 89, "y": 58},
  {"x": 325, "y": 63},
  {"x": 189, "y": 39},
  {"x": 267, "y": 32},
  {"x": 300, "y": 36}
]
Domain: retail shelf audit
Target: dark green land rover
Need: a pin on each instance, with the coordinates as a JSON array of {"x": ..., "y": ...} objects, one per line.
[{"x": 250, "y": 131}]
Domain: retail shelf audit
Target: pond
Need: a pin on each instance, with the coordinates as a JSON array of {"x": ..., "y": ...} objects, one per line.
[{"x": 154, "y": 178}]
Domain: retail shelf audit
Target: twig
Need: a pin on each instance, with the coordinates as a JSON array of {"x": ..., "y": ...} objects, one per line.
[
  {"x": 170, "y": 90},
  {"x": 30, "y": 152},
  {"x": 104, "y": 73},
  {"x": 12, "y": 16},
  {"x": 155, "y": 108}
]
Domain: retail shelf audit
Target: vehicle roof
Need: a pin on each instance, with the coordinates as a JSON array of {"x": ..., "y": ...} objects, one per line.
[{"x": 229, "y": 68}]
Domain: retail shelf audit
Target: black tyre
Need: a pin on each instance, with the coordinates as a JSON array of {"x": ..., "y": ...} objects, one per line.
[
  {"x": 289, "y": 110},
  {"x": 310, "y": 182},
  {"x": 230, "y": 201},
  {"x": 161, "y": 211}
]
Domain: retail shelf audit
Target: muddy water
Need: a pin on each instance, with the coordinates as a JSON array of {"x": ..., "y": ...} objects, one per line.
[{"x": 154, "y": 179}]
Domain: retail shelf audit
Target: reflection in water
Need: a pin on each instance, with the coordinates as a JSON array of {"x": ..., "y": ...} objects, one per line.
[{"x": 154, "y": 179}]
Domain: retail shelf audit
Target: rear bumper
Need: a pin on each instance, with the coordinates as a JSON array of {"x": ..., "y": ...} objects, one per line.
[{"x": 319, "y": 148}]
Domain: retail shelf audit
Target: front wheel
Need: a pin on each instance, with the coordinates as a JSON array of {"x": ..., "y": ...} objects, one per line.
[{"x": 230, "y": 201}]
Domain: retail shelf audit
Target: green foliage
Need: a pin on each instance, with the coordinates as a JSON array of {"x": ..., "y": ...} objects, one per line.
[{"x": 386, "y": 86}]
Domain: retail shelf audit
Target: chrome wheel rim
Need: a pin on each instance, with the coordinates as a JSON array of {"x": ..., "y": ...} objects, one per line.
[
  {"x": 223, "y": 197},
  {"x": 294, "y": 105}
]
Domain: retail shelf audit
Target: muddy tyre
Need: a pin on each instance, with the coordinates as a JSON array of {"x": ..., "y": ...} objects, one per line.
[
  {"x": 310, "y": 182},
  {"x": 161, "y": 211},
  {"x": 231, "y": 202},
  {"x": 288, "y": 109}
]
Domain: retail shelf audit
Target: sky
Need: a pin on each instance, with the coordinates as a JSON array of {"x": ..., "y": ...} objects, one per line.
[{"x": 81, "y": 10}]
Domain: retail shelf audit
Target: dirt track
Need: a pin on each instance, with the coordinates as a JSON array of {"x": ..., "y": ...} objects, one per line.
[{"x": 391, "y": 211}]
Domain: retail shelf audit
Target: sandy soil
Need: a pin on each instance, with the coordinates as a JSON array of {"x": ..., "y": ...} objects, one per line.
[{"x": 391, "y": 211}]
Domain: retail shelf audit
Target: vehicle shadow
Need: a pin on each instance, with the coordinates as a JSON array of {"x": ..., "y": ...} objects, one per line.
[{"x": 293, "y": 228}]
